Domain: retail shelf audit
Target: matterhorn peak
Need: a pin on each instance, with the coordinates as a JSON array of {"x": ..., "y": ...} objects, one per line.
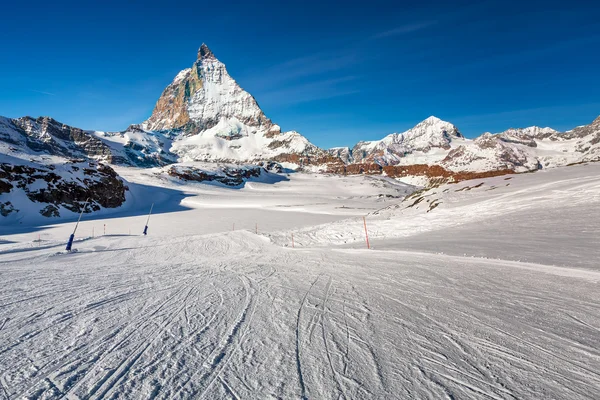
[
  {"x": 205, "y": 96},
  {"x": 205, "y": 53}
]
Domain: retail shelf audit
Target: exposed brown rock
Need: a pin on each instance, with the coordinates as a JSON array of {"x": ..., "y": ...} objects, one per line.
[
  {"x": 172, "y": 104},
  {"x": 436, "y": 171},
  {"x": 327, "y": 161}
]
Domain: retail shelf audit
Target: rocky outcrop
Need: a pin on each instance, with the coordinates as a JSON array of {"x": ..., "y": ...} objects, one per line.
[
  {"x": 431, "y": 172},
  {"x": 228, "y": 175},
  {"x": 342, "y": 153},
  {"x": 64, "y": 186},
  {"x": 436, "y": 171}
]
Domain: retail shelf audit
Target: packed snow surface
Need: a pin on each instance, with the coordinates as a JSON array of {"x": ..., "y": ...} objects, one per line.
[{"x": 490, "y": 294}]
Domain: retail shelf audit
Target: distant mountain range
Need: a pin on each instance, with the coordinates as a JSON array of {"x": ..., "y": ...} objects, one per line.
[{"x": 204, "y": 115}]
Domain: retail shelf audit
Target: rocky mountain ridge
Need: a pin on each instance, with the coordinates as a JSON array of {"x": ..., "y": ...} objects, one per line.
[
  {"x": 203, "y": 115},
  {"x": 436, "y": 142}
]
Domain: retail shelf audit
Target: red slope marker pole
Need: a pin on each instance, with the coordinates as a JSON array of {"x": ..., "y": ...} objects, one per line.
[{"x": 366, "y": 232}]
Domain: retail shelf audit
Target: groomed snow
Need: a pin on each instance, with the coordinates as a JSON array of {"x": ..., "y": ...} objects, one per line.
[{"x": 196, "y": 310}]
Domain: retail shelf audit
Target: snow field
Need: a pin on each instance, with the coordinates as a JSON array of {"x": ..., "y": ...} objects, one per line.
[{"x": 194, "y": 310}]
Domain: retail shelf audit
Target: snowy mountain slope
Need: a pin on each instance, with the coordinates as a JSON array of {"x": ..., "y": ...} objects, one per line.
[
  {"x": 468, "y": 202},
  {"x": 138, "y": 148},
  {"x": 436, "y": 142},
  {"x": 427, "y": 139},
  {"x": 44, "y": 136},
  {"x": 527, "y": 149},
  {"x": 48, "y": 170},
  {"x": 194, "y": 310},
  {"x": 47, "y": 138}
]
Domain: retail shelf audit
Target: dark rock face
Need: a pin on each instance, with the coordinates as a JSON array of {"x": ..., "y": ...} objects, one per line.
[
  {"x": 5, "y": 186},
  {"x": 230, "y": 176},
  {"x": 271, "y": 166},
  {"x": 50, "y": 211},
  {"x": 77, "y": 182},
  {"x": 205, "y": 52},
  {"x": 6, "y": 208}
]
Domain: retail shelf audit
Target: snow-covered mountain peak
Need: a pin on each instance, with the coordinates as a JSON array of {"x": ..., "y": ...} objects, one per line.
[
  {"x": 435, "y": 125},
  {"x": 210, "y": 117},
  {"x": 431, "y": 120},
  {"x": 202, "y": 97},
  {"x": 528, "y": 136},
  {"x": 431, "y": 132}
]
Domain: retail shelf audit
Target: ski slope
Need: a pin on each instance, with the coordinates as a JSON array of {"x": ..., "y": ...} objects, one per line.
[{"x": 450, "y": 304}]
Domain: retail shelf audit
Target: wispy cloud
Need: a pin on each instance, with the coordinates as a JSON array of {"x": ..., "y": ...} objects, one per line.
[
  {"x": 404, "y": 29},
  {"x": 312, "y": 91},
  {"x": 290, "y": 81},
  {"x": 42, "y": 92},
  {"x": 530, "y": 116},
  {"x": 301, "y": 68}
]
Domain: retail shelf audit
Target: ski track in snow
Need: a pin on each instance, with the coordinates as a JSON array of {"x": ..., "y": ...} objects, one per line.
[
  {"x": 234, "y": 315},
  {"x": 278, "y": 324}
]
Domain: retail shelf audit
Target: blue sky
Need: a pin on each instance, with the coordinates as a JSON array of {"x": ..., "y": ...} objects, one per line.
[{"x": 338, "y": 72}]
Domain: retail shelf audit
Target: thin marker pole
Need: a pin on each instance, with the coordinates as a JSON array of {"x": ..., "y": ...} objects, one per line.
[
  {"x": 292, "y": 240},
  {"x": 366, "y": 232},
  {"x": 72, "y": 237},
  {"x": 147, "y": 221},
  {"x": 104, "y": 229},
  {"x": 257, "y": 228}
]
